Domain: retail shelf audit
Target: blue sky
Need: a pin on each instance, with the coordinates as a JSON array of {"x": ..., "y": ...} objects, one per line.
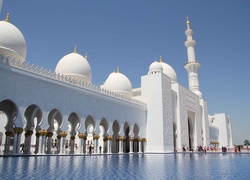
[{"x": 132, "y": 34}]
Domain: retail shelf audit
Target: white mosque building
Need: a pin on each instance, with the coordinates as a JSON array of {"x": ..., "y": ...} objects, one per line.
[{"x": 61, "y": 112}]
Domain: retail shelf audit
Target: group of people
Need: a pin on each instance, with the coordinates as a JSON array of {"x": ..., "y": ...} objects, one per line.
[
  {"x": 199, "y": 149},
  {"x": 91, "y": 149}
]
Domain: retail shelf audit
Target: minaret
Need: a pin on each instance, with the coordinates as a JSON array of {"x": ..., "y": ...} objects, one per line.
[{"x": 192, "y": 66}]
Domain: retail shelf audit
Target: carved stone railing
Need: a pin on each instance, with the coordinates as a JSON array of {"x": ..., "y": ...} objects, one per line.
[{"x": 66, "y": 79}]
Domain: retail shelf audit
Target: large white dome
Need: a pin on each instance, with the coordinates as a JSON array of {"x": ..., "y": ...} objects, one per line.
[
  {"x": 168, "y": 70},
  {"x": 118, "y": 82},
  {"x": 76, "y": 66},
  {"x": 12, "y": 42},
  {"x": 155, "y": 67}
]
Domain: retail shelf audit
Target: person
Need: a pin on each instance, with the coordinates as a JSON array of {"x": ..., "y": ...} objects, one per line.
[
  {"x": 100, "y": 149},
  {"x": 205, "y": 150},
  {"x": 22, "y": 150},
  {"x": 90, "y": 149},
  {"x": 184, "y": 149}
]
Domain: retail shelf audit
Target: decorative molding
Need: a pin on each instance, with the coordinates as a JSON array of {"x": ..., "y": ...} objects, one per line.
[{"x": 40, "y": 71}]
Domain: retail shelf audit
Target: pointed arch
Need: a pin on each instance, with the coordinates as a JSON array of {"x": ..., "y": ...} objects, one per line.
[
  {"x": 116, "y": 130},
  {"x": 126, "y": 136},
  {"x": 10, "y": 110}
]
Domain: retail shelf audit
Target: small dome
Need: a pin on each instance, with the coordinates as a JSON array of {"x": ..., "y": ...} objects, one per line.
[
  {"x": 12, "y": 42},
  {"x": 76, "y": 66},
  {"x": 118, "y": 82},
  {"x": 168, "y": 70},
  {"x": 155, "y": 67}
]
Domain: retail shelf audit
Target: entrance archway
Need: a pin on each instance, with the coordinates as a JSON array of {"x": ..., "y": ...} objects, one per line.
[{"x": 190, "y": 134}]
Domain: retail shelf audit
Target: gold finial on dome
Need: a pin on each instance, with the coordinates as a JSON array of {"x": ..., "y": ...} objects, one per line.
[
  {"x": 7, "y": 17},
  {"x": 161, "y": 59},
  {"x": 117, "y": 69},
  {"x": 86, "y": 56},
  {"x": 75, "y": 49}
]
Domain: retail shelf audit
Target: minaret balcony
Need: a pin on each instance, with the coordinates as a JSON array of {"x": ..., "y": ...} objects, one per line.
[{"x": 190, "y": 43}]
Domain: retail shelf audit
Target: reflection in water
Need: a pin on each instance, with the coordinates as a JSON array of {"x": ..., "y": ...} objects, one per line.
[{"x": 127, "y": 166}]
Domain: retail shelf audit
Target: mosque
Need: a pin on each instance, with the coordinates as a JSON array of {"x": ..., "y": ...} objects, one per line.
[{"x": 61, "y": 112}]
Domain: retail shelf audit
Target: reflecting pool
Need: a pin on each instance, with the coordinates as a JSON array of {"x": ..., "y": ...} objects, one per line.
[{"x": 136, "y": 166}]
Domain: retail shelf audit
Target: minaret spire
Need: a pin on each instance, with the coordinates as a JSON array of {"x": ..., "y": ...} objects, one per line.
[
  {"x": 188, "y": 23},
  {"x": 192, "y": 66}
]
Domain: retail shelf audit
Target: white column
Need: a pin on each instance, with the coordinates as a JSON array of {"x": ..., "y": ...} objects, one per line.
[
  {"x": 96, "y": 147},
  {"x": 63, "y": 141},
  {"x": 37, "y": 142},
  {"x": 140, "y": 145},
  {"x": 131, "y": 144},
  {"x": 121, "y": 138},
  {"x": 42, "y": 141},
  {"x": 49, "y": 142},
  {"x": 72, "y": 145},
  {"x": 144, "y": 140},
  {"x": 109, "y": 144},
  {"x": 7, "y": 142},
  {"x": 17, "y": 139},
  {"x": 27, "y": 142},
  {"x": 82, "y": 145}
]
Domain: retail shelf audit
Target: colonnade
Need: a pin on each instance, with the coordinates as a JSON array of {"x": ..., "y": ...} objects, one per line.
[{"x": 44, "y": 143}]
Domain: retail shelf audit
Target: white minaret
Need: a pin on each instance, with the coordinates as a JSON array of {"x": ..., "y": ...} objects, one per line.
[{"x": 192, "y": 66}]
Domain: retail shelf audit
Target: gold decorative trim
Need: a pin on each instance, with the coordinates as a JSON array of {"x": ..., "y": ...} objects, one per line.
[
  {"x": 49, "y": 134},
  {"x": 96, "y": 136},
  {"x": 18, "y": 130},
  {"x": 75, "y": 49},
  {"x": 7, "y": 17},
  {"x": 28, "y": 133},
  {"x": 9, "y": 133},
  {"x": 131, "y": 139},
  {"x": 81, "y": 135},
  {"x": 37, "y": 134},
  {"x": 109, "y": 137},
  {"x": 63, "y": 134},
  {"x": 43, "y": 132},
  {"x": 72, "y": 138},
  {"x": 121, "y": 138},
  {"x": 144, "y": 139},
  {"x": 139, "y": 139}
]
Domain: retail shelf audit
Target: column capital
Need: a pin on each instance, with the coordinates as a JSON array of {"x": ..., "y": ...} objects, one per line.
[
  {"x": 63, "y": 134},
  {"x": 38, "y": 134},
  {"x": 140, "y": 139},
  {"x": 28, "y": 133},
  {"x": 72, "y": 138},
  {"x": 109, "y": 137},
  {"x": 49, "y": 134},
  {"x": 9, "y": 133},
  {"x": 131, "y": 139},
  {"x": 18, "y": 130},
  {"x": 144, "y": 139},
  {"x": 96, "y": 136},
  {"x": 121, "y": 138},
  {"x": 82, "y": 136},
  {"x": 43, "y": 132}
]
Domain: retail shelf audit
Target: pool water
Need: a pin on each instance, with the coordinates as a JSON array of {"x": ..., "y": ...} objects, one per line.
[{"x": 136, "y": 166}]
